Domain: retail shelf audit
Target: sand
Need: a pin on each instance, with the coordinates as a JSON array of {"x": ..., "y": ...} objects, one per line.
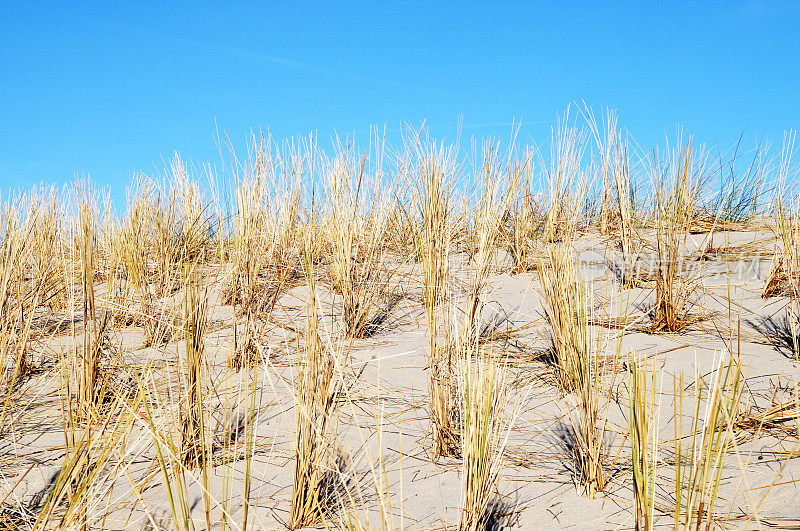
[{"x": 384, "y": 410}]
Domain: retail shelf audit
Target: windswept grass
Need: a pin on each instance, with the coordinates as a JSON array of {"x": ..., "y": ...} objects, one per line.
[
  {"x": 644, "y": 439},
  {"x": 699, "y": 464},
  {"x": 679, "y": 182},
  {"x": 437, "y": 171},
  {"x": 162, "y": 366},
  {"x": 317, "y": 387}
]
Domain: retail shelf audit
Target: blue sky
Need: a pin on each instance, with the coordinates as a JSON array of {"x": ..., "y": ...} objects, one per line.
[{"x": 106, "y": 91}]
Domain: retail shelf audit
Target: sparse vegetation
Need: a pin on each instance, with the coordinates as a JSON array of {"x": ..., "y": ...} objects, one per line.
[
  {"x": 367, "y": 322},
  {"x": 679, "y": 184},
  {"x": 644, "y": 439}
]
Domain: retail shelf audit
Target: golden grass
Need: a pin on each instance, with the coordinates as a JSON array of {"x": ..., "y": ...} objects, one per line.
[
  {"x": 482, "y": 388},
  {"x": 317, "y": 387},
  {"x": 679, "y": 185},
  {"x": 567, "y": 312},
  {"x": 436, "y": 173},
  {"x": 124, "y": 320},
  {"x": 644, "y": 439},
  {"x": 699, "y": 464}
]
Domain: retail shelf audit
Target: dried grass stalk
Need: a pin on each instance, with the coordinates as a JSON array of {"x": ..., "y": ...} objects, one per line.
[
  {"x": 644, "y": 439},
  {"x": 679, "y": 183},
  {"x": 317, "y": 388},
  {"x": 482, "y": 393},
  {"x": 436, "y": 172}
]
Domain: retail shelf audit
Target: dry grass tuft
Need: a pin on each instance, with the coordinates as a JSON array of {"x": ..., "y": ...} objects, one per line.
[
  {"x": 644, "y": 439},
  {"x": 317, "y": 388},
  {"x": 566, "y": 310},
  {"x": 679, "y": 184},
  {"x": 147, "y": 364},
  {"x": 436, "y": 173},
  {"x": 482, "y": 391}
]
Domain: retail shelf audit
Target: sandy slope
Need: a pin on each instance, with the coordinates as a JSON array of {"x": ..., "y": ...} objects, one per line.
[{"x": 387, "y": 395}]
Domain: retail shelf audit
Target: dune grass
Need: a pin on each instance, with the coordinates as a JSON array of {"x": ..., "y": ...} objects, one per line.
[
  {"x": 437, "y": 171},
  {"x": 680, "y": 180},
  {"x": 699, "y": 464},
  {"x": 317, "y": 387},
  {"x": 644, "y": 436},
  {"x": 170, "y": 361}
]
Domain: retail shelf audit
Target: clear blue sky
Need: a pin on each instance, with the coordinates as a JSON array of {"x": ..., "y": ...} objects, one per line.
[{"x": 101, "y": 90}]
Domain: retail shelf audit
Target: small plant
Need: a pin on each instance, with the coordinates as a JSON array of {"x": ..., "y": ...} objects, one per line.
[
  {"x": 566, "y": 183},
  {"x": 679, "y": 183},
  {"x": 91, "y": 386},
  {"x": 784, "y": 277},
  {"x": 436, "y": 171},
  {"x": 566, "y": 311},
  {"x": 567, "y": 308},
  {"x": 698, "y": 467},
  {"x": 644, "y": 439},
  {"x": 356, "y": 230},
  {"x": 617, "y": 204},
  {"x": 489, "y": 215},
  {"x": 254, "y": 248},
  {"x": 193, "y": 423},
  {"x": 523, "y": 222},
  {"x": 11, "y": 300},
  {"x": 481, "y": 387},
  {"x": 317, "y": 388},
  {"x": 136, "y": 246},
  {"x": 590, "y": 429}
]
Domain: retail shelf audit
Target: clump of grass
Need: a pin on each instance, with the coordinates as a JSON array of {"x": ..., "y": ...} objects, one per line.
[
  {"x": 626, "y": 211},
  {"x": 356, "y": 230},
  {"x": 618, "y": 205},
  {"x": 606, "y": 144},
  {"x": 699, "y": 467},
  {"x": 591, "y": 427},
  {"x": 461, "y": 342},
  {"x": 91, "y": 386},
  {"x": 317, "y": 388},
  {"x": 776, "y": 281},
  {"x": 644, "y": 439},
  {"x": 45, "y": 227},
  {"x": 436, "y": 173},
  {"x": 192, "y": 221},
  {"x": 404, "y": 232},
  {"x": 679, "y": 183},
  {"x": 89, "y": 468},
  {"x": 256, "y": 279},
  {"x": 788, "y": 227},
  {"x": 486, "y": 230},
  {"x": 523, "y": 222},
  {"x": 566, "y": 310},
  {"x": 784, "y": 277},
  {"x": 482, "y": 394},
  {"x": 141, "y": 258},
  {"x": 736, "y": 200},
  {"x": 194, "y": 443},
  {"x": 11, "y": 302},
  {"x": 566, "y": 183}
]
